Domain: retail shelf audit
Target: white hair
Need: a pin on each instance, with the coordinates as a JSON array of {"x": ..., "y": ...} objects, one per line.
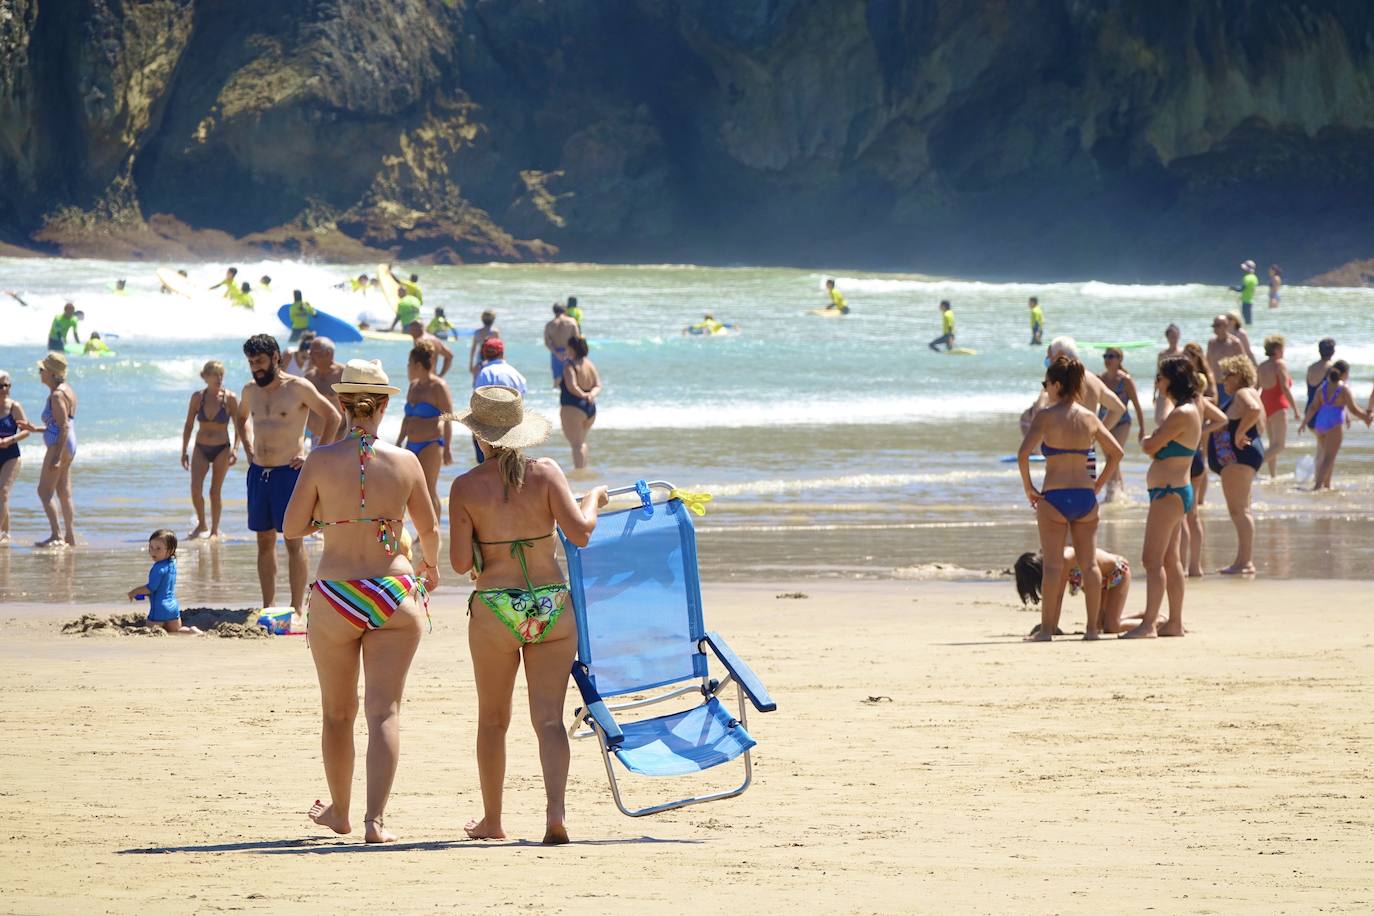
[{"x": 1063, "y": 346}]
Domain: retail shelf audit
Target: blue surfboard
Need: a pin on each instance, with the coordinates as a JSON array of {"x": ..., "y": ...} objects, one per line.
[{"x": 325, "y": 325}]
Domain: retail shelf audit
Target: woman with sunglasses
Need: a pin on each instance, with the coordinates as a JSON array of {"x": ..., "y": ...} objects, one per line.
[
  {"x": 1066, "y": 505},
  {"x": 13, "y": 430},
  {"x": 1236, "y": 454},
  {"x": 1119, "y": 381}
]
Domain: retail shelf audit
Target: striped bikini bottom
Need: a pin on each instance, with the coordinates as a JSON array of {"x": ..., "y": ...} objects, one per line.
[{"x": 369, "y": 603}]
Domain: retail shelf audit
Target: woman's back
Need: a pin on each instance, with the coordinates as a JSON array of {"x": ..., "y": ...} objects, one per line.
[
  {"x": 1068, "y": 429},
  {"x": 501, "y": 515},
  {"x": 390, "y": 479}
]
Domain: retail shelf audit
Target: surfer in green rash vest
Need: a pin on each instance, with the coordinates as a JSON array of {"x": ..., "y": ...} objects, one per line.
[
  {"x": 1248, "y": 282},
  {"x": 62, "y": 325},
  {"x": 242, "y": 297},
  {"x": 407, "y": 310},
  {"x": 411, "y": 287},
  {"x": 359, "y": 284},
  {"x": 228, "y": 283},
  {"x": 301, "y": 312},
  {"x": 946, "y": 326},
  {"x": 836, "y": 300},
  {"x": 265, "y": 283}
]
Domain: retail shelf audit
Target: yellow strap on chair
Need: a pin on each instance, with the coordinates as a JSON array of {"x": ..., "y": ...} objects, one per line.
[{"x": 695, "y": 502}]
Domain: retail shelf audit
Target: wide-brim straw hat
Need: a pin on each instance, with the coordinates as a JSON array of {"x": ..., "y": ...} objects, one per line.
[
  {"x": 55, "y": 363},
  {"x": 496, "y": 415},
  {"x": 365, "y": 376}
]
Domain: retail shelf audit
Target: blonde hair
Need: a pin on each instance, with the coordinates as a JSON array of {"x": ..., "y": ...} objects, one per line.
[
  {"x": 361, "y": 404},
  {"x": 1239, "y": 365},
  {"x": 1272, "y": 343},
  {"x": 213, "y": 367},
  {"x": 511, "y": 464}
]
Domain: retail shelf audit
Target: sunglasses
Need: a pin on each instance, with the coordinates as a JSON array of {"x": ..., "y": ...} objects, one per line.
[{"x": 4, "y": 384}]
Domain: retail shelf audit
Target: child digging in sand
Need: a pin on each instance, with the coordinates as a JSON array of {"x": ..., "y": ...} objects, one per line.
[{"x": 161, "y": 590}]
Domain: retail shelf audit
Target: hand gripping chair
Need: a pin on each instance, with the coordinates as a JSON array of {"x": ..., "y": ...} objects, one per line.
[{"x": 637, "y": 599}]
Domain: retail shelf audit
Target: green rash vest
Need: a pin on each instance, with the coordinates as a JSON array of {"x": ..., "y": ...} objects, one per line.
[
  {"x": 1247, "y": 287},
  {"x": 301, "y": 312},
  {"x": 62, "y": 325},
  {"x": 408, "y": 309}
]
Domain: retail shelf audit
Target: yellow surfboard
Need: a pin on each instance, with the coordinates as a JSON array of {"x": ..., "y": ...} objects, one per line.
[
  {"x": 828, "y": 313},
  {"x": 178, "y": 284},
  {"x": 391, "y": 290}
]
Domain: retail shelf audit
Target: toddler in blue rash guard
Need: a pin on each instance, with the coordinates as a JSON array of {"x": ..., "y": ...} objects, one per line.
[{"x": 161, "y": 590}]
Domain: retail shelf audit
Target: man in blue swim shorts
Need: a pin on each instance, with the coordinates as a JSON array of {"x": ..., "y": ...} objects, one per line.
[
  {"x": 557, "y": 333},
  {"x": 273, "y": 411}
]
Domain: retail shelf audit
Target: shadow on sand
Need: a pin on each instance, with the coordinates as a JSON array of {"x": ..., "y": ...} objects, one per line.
[{"x": 327, "y": 846}]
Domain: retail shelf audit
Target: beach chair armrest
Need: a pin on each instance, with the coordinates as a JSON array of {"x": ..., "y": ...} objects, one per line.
[
  {"x": 741, "y": 672},
  {"x": 596, "y": 707}
]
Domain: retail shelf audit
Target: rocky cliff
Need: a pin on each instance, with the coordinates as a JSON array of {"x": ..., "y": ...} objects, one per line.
[{"x": 994, "y": 138}]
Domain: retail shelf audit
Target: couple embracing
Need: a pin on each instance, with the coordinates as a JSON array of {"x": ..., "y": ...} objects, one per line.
[{"x": 368, "y": 597}]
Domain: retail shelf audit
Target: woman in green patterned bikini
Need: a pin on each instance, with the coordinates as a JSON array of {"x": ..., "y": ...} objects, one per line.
[{"x": 502, "y": 514}]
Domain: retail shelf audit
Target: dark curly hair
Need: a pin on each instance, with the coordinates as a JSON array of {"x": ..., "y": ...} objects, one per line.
[
  {"x": 260, "y": 344},
  {"x": 1182, "y": 381}
]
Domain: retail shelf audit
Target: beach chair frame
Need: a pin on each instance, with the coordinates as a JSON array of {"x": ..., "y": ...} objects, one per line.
[{"x": 598, "y": 716}]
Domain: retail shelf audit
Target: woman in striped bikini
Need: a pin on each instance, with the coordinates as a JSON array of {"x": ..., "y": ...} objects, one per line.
[{"x": 366, "y": 599}]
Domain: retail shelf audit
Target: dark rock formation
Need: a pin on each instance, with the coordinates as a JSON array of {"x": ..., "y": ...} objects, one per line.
[{"x": 1002, "y": 137}]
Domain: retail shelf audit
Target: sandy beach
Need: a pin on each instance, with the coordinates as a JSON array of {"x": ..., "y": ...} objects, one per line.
[{"x": 1224, "y": 772}]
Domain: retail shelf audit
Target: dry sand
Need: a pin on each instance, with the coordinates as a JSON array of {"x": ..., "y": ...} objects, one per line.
[{"x": 1224, "y": 772}]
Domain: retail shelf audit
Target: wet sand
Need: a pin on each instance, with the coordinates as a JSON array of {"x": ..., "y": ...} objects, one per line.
[{"x": 1223, "y": 772}]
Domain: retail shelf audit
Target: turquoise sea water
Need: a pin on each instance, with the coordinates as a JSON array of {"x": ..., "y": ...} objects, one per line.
[{"x": 832, "y": 446}]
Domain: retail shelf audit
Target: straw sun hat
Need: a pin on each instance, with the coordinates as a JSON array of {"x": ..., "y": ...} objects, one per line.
[
  {"x": 55, "y": 363},
  {"x": 365, "y": 376},
  {"x": 497, "y": 416}
]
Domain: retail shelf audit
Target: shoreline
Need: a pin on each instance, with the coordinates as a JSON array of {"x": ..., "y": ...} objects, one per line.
[{"x": 920, "y": 752}]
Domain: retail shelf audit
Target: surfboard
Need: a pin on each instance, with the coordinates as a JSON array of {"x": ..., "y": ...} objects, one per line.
[
  {"x": 326, "y": 325},
  {"x": 960, "y": 351},
  {"x": 374, "y": 334},
  {"x": 177, "y": 283},
  {"x": 1011, "y": 459},
  {"x": 391, "y": 290},
  {"x": 1125, "y": 345},
  {"x": 828, "y": 313},
  {"x": 725, "y": 331},
  {"x": 79, "y": 349}
]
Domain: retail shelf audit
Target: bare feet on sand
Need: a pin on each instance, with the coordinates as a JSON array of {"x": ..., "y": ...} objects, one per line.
[
  {"x": 324, "y": 815},
  {"x": 1144, "y": 631},
  {"x": 478, "y": 830},
  {"x": 1169, "y": 628},
  {"x": 1092, "y": 637},
  {"x": 1233, "y": 570},
  {"x": 374, "y": 831},
  {"x": 555, "y": 835}
]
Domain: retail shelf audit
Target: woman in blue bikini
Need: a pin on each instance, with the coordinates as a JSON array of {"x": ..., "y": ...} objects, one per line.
[
  {"x": 1172, "y": 446},
  {"x": 501, "y": 516},
  {"x": 424, "y": 430},
  {"x": 1066, "y": 505}
]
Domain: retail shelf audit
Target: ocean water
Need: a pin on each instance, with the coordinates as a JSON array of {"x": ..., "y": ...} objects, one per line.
[{"x": 832, "y": 446}]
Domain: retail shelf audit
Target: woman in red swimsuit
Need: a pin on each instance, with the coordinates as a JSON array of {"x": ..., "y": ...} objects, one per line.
[{"x": 1276, "y": 394}]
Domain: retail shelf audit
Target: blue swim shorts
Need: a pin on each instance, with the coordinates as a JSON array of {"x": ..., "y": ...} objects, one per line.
[{"x": 269, "y": 490}]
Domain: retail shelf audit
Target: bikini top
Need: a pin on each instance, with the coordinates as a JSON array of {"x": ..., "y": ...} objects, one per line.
[
  {"x": 1174, "y": 449},
  {"x": 1050, "y": 451},
  {"x": 424, "y": 410},
  {"x": 518, "y": 546},
  {"x": 386, "y": 527},
  {"x": 221, "y": 417}
]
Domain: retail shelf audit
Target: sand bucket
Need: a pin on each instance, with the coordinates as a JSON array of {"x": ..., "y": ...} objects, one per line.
[{"x": 276, "y": 620}]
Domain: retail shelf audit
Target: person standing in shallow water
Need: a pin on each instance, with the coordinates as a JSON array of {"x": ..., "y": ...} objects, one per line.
[
  {"x": 578, "y": 391},
  {"x": 14, "y": 428},
  {"x": 59, "y": 437},
  {"x": 273, "y": 410},
  {"x": 213, "y": 454},
  {"x": 520, "y": 610},
  {"x": 1248, "y": 283},
  {"x": 1037, "y": 321},
  {"x": 366, "y": 599},
  {"x": 1276, "y": 394},
  {"x": 1275, "y": 285},
  {"x": 946, "y": 327}
]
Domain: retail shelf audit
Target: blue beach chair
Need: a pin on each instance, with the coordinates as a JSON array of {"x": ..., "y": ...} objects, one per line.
[{"x": 639, "y": 631}]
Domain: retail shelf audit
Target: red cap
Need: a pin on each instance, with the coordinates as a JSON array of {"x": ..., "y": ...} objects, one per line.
[{"x": 493, "y": 348}]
